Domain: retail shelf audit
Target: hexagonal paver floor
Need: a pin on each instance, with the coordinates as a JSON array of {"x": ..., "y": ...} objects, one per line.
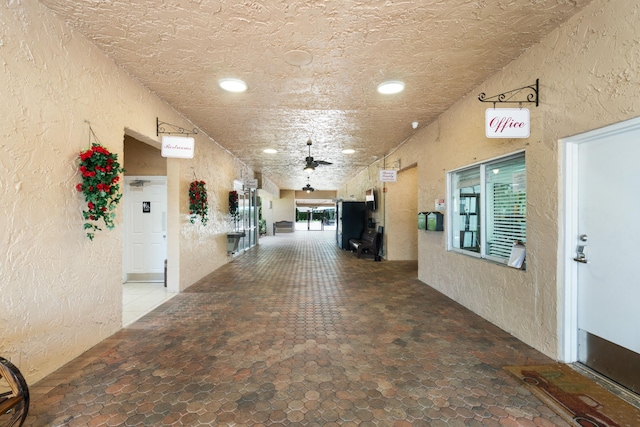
[{"x": 296, "y": 332}]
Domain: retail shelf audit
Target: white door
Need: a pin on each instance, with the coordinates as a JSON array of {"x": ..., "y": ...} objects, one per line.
[
  {"x": 146, "y": 225},
  {"x": 607, "y": 235}
]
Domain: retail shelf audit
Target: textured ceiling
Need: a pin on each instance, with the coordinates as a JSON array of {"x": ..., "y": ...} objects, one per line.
[{"x": 441, "y": 49}]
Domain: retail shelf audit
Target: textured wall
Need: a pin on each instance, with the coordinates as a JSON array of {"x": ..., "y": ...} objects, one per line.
[
  {"x": 589, "y": 77},
  {"x": 402, "y": 220},
  {"x": 141, "y": 159},
  {"x": 284, "y": 208},
  {"x": 356, "y": 189},
  {"x": 61, "y": 292}
]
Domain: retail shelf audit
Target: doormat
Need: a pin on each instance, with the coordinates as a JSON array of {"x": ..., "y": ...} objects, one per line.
[{"x": 576, "y": 398}]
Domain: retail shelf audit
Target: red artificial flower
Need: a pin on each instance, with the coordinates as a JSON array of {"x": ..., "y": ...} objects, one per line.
[{"x": 99, "y": 170}]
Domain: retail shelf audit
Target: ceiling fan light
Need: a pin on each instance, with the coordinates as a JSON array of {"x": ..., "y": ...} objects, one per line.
[
  {"x": 390, "y": 87},
  {"x": 309, "y": 169},
  {"x": 233, "y": 85}
]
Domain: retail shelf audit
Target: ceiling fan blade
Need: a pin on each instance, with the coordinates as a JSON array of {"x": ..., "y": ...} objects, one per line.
[{"x": 322, "y": 162}]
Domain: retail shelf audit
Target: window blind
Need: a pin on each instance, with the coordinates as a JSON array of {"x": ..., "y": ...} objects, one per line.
[{"x": 506, "y": 205}]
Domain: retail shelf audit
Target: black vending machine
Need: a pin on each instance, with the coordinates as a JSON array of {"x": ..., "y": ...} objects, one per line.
[{"x": 351, "y": 218}]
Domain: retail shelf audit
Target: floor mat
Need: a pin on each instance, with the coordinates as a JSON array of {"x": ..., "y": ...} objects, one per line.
[{"x": 576, "y": 398}]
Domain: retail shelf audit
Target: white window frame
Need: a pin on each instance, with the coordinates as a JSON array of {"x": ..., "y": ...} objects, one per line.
[{"x": 452, "y": 202}]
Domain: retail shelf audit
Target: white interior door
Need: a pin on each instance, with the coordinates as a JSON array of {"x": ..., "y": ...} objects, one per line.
[
  {"x": 608, "y": 230},
  {"x": 146, "y": 217}
]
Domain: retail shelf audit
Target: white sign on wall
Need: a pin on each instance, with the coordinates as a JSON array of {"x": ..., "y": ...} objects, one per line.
[
  {"x": 507, "y": 123},
  {"x": 181, "y": 147},
  {"x": 388, "y": 175}
]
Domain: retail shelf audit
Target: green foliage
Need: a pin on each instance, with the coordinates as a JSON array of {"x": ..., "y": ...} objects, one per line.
[
  {"x": 100, "y": 172},
  {"x": 198, "y": 206}
]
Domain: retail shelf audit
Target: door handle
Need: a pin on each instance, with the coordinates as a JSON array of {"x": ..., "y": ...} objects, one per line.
[{"x": 581, "y": 255}]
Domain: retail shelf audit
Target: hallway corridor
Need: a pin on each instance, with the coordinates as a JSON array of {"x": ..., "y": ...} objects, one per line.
[{"x": 296, "y": 332}]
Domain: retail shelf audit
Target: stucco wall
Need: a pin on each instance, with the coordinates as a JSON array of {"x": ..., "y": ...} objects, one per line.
[
  {"x": 61, "y": 292},
  {"x": 284, "y": 208},
  {"x": 401, "y": 229},
  {"x": 142, "y": 159},
  {"x": 589, "y": 77},
  {"x": 356, "y": 189}
]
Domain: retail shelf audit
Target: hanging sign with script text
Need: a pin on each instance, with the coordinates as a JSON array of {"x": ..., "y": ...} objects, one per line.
[
  {"x": 507, "y": 123},
  {"x": 388, "y": 175},
  {"x": 177, "y": 146}
]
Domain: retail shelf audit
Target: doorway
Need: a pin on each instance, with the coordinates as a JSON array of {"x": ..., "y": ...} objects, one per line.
[
  {"x": 145, "y": 246},
  {"x": 145, "y": 227},
  {"x": 145, "y": 233},
  {"x": 601, "y": 211}
]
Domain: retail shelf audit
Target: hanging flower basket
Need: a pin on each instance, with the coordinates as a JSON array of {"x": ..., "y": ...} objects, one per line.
[
  {"x": 198, "y": 206},
  {"x": 100, "y": 173},
  {"x": 233, "y": 205}
]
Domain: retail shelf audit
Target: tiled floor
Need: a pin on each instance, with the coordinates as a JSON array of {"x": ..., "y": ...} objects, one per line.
[
  {"x": 298, "y": 333},
  {"x": 139, "y": 298}
]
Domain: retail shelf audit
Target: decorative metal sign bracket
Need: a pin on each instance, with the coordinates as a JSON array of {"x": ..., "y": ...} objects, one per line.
[
  {"x": 173, "y": 129},
  {"x": 531, "y": 92}
]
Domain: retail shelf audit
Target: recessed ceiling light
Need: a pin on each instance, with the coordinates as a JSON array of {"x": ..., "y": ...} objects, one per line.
[
  {"x": 298, "y": 57},
  {"x": 349, "y": 151},
  {"x": 270, "y": 151},
  {"x": 390, "y": 87},
  {"x": 233, "y": 85}
]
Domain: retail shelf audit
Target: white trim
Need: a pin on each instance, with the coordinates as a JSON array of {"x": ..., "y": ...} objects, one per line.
[
  {"x": 568, "y": 270},
  {"x": 568, "y": 232}
]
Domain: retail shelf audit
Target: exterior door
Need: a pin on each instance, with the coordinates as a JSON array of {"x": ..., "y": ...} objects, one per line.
[
  {"x": 146, "y": 227},
  {"x": 606, "y": 242}
]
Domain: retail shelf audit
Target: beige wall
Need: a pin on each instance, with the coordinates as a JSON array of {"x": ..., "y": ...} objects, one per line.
[
  {"x": 589, "y": 77},
  {"x": 284, "y": 208},
  {"x": 401, "y": 231},
  {"x": 63, "y": 301},
  {"x": 142, "y": 159},
  {"x": 356, "y": 189}
]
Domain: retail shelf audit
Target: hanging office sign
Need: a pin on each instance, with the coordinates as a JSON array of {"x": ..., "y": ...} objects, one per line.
[
  {"x": 181, "y": 147},
  {"x": 507, "y": 123},
  {"x": 251, "y": 183},
  {"x": 388, "y": 175}
]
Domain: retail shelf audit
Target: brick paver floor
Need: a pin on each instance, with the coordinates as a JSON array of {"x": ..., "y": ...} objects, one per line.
[{"x": 296, "y": 332}]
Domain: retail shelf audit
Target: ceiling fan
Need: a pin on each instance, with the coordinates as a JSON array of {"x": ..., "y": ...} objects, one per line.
[
  {"x": 312, "y": 164},
  {"x": 308, "y": 188}
]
